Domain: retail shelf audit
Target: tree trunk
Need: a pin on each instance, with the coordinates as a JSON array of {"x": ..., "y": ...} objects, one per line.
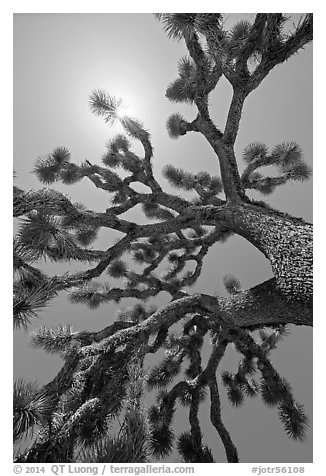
[
  {"x": 264, "y": 305},
  {"x": 285, "y": 241}
]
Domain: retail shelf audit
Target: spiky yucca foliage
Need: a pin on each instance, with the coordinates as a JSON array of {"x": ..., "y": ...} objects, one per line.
[
  {"x": 179, "y": 178},
  {"x": 232, "y": 284},
  {"x": 294, "y": 420},
  {"x": 162, "y": 374},
  {"x": 117, "y": 269},
  {"x": 134, "y": 128},
  {"x": 105, "y": 105},
  {"x": 178, "y": 25},
  {"x": 286, "y": 158},
  {"x": 48, "y": 169},
  {"x": 162, "y": 439},
  {"x": 31, "y": 408},
  {"x": 132, "y": 442},
  {"x": 53, "y": 341},
  {"x": 77, "y": 416},
  {"x": 93, "y": 294},
  {"x": 191, "y": 454},
  {"x": 42, "y": 235},
  {"x": 254, "y": 150},
  {"x": 29, "y": 300},
  {"x": 176, "y": 126}
]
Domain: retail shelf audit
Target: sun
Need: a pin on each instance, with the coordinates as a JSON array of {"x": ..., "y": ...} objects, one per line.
[{"x": 122, "y": 111}]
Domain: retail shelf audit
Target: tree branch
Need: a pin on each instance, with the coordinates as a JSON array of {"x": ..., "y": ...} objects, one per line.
[
  {"x": 272, "y": 57},
  {"x": 261, "y": 306},
  {"x": 215, "y": 412},
  {"x": 234, "y": 116},
  {"x": 165, "y": 316}
]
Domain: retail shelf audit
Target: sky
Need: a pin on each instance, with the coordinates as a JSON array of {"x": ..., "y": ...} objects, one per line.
[{"x": 58, "y": 60}]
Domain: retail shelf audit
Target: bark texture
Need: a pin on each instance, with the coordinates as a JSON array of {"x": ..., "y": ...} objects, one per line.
[
  {"x": 284, "y": 240},
  {"x": 265, "y": 305},
  {"x": 287, "y": 244}
]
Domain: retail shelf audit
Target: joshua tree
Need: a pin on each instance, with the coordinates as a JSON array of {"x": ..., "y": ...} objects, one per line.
[{"x": 103, "y": 373}]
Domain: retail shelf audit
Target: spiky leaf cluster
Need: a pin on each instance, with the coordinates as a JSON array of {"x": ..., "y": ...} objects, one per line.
[
  {"x": 232, "y": 284},
  {"x": 234, "y": 41},
  {"x": 183, "y": 89},
  {"x": 153, "y": 211},
  {"x": 190, "y": 452},
  {"x": 253, "y": 151},
  {"x": 25, "y": 275},
  {"x": 271, "y": 338},
  {"x": 130, "y": 446},
  {"x": 241, "y": 384},
  {"x": 286, "y": 157},
  {"x": 294, "y": 420},
  {"x": 178, "y": 178},
  {"x": 31, "y": 407},
  {"x": 154, "y": 414},
  {"x": 161, "y": 442},
  {"x": 176, "y": 126},
  {"x": 70, "y": 174},
  {"x": 277, "y": 393},
  {"x": 117, "y": 269},
  {"x": 161, "y": 375},
  {"x": 29, "y": 301},
  {"x": 185, "y": 397},
  {"x": 289, "y": 158},
  {"x": 93, "y": 294},
  {"x": 48, "y": 169},
  {"x": 44, "y": 237},
  {"x": 111, "y": 159},
  {"x": 205, "y": 22},
  {"x": 136, "y": 313},
  {"x": 135, "y": 129},
  {"x": 119, "y": 143},
  {"x": 104, "y": 105},
  {"x": 86, "y": 235},
  {"x": 91, "y": 430},
  {"x": 96, "y": 392},
  {"x": 178, "y": 25},
  {"x": 53, "y": 341}
]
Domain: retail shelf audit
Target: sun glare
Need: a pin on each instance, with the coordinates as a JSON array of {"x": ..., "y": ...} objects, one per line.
[{"x": 122, "y": 111}]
